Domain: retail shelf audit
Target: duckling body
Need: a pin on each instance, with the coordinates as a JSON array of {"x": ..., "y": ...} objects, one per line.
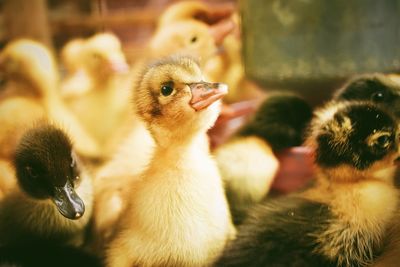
[
  {"x": 171, "y": 204},
  {"x": 339, "y": 221},
  {"x": 247, "y": 162},
  {"x": 53, "y": 199},
  {"x": 31, "y": 73}
]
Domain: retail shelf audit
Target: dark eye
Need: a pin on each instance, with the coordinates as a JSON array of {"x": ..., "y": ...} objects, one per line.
[
  {"x": 194, "y": 39},
  {"x": 32, "y": 172},
  {"x": 378, "y": 97},
  {"x": 382, "y": 141},
  {"x": 166, "y": 90}
]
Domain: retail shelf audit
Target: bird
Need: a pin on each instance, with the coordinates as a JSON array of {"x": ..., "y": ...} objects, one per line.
[
  {"x": 107, "y": 97},
  {"x": 76, "y": 80},
  {"x": 175, "y": 27},
  {"x": 53, "y": 197},
  {"x": 340, "y": 219},
  {"x": 177, "y": 213},
  {"x": 375, "y": 87},
  {"x": 31, "y": 72},
  {"x": 247, "y": 161}
]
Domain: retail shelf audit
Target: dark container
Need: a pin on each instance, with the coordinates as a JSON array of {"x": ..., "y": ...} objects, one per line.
[{"x": 313, "y": 45}]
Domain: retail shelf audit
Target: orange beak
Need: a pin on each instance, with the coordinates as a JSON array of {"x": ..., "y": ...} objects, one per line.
[{"x": 204, "y": 94}]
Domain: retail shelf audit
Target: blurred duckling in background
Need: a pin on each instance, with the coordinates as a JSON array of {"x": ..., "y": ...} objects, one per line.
[
  {"x": 247, "y": 161},
  {"x": 221, "y": 20},
  {"x": 16, "y": 113},
  {"x": 342, "y": 219},
  {"x": 30, "y": 72},
  {"x": 103, "y": 108},
  {"x": 182, "y": 28},
  {"x": 76, "y": 80},
  {"x": 53, "y": 199},
  {"x": 177, "y": 213}
]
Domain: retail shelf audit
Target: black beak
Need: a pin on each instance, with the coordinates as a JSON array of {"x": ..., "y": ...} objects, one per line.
[{"x": 68, "y": 203}]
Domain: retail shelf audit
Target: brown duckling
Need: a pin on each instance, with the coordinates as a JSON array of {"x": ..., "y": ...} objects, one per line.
[
  {"x": 53, "y": 199},
  {"x": 177, "y": 213}
]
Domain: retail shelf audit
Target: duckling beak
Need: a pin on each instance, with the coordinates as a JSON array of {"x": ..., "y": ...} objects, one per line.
[
  {"x": 119, "y": 66},
  {"x": 68, "y": 203},
  {"x": 204, "y": 94}
]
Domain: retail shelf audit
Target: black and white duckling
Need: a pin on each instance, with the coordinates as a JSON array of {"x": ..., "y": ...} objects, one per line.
[
  {"x": 375, "y": 87},
  {"x": 177, "y": 213},
  {"x": 30, "y": 71},
  {"x": 54, "y": 198},
  {"x": 247, "y": 162},
  {"x": 342, "y": 219}
]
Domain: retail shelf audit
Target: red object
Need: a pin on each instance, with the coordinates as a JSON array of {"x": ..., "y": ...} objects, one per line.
[{"x": 296, "y": 169}]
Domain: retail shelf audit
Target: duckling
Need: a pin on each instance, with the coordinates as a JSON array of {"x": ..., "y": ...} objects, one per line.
[
  {"x": 76, "y": 81},
  {"x": 31, "y": 73},
  {"x": 107, "y": 99},
  {"x": 247, "y": 161},
  {"x": 169, "y": 220},
  {"x": 191, "y": 27},
  {"x": 53, "y": 199},
  {"x": 375, "y": 87},
  {"x": 340, "y": 220},
  {"x": 223, "y": 65}
]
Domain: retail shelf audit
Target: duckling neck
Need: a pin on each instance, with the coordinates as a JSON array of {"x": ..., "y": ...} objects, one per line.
[{"x": 180, "y": 137}]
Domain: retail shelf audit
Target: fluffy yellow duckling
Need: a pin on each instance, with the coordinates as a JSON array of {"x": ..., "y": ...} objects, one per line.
[
  {"x": 76, "y": 80},
  {"x": 178, "y": 214},
  {"x": 103, "y": 108},
  {"x": 31, "y": 72}
]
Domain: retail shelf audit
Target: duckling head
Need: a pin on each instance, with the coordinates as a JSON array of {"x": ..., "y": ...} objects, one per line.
[
  {"x": 359, "y": 137},
  {"x": 190, "y": 37},
  {"x": 31, "y": 63},
  {"x": 71, "y": 54},
  {"x": 172, "y": 98},
  {"x": 377, "y": 88},
  {"x": 47, "y": 168},
  {"x": 102, "y": 55}
]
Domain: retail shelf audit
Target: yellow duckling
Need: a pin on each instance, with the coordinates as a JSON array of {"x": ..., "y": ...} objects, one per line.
[
  {"x": 76, "y": 81},
  {"x": 31, "y": 73},
  {"x": 178, "y": 214},
  {"x": 104, "y": 107}
]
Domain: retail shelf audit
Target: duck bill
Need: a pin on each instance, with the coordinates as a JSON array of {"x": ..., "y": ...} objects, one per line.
[
  {"x": 204, "y": 94},
  {"x": 68, "y": 203},
  {"x": 119, "y": 66}
]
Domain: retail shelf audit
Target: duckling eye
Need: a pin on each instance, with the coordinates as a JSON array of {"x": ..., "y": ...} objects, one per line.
[
  {"x": 193, "y": 40},
  {"x": 166, "y": 90},
  {"x": 378, "y": 97},
  {"x": 31, "y": 172},
  {"x": 382, "y": 141}
]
